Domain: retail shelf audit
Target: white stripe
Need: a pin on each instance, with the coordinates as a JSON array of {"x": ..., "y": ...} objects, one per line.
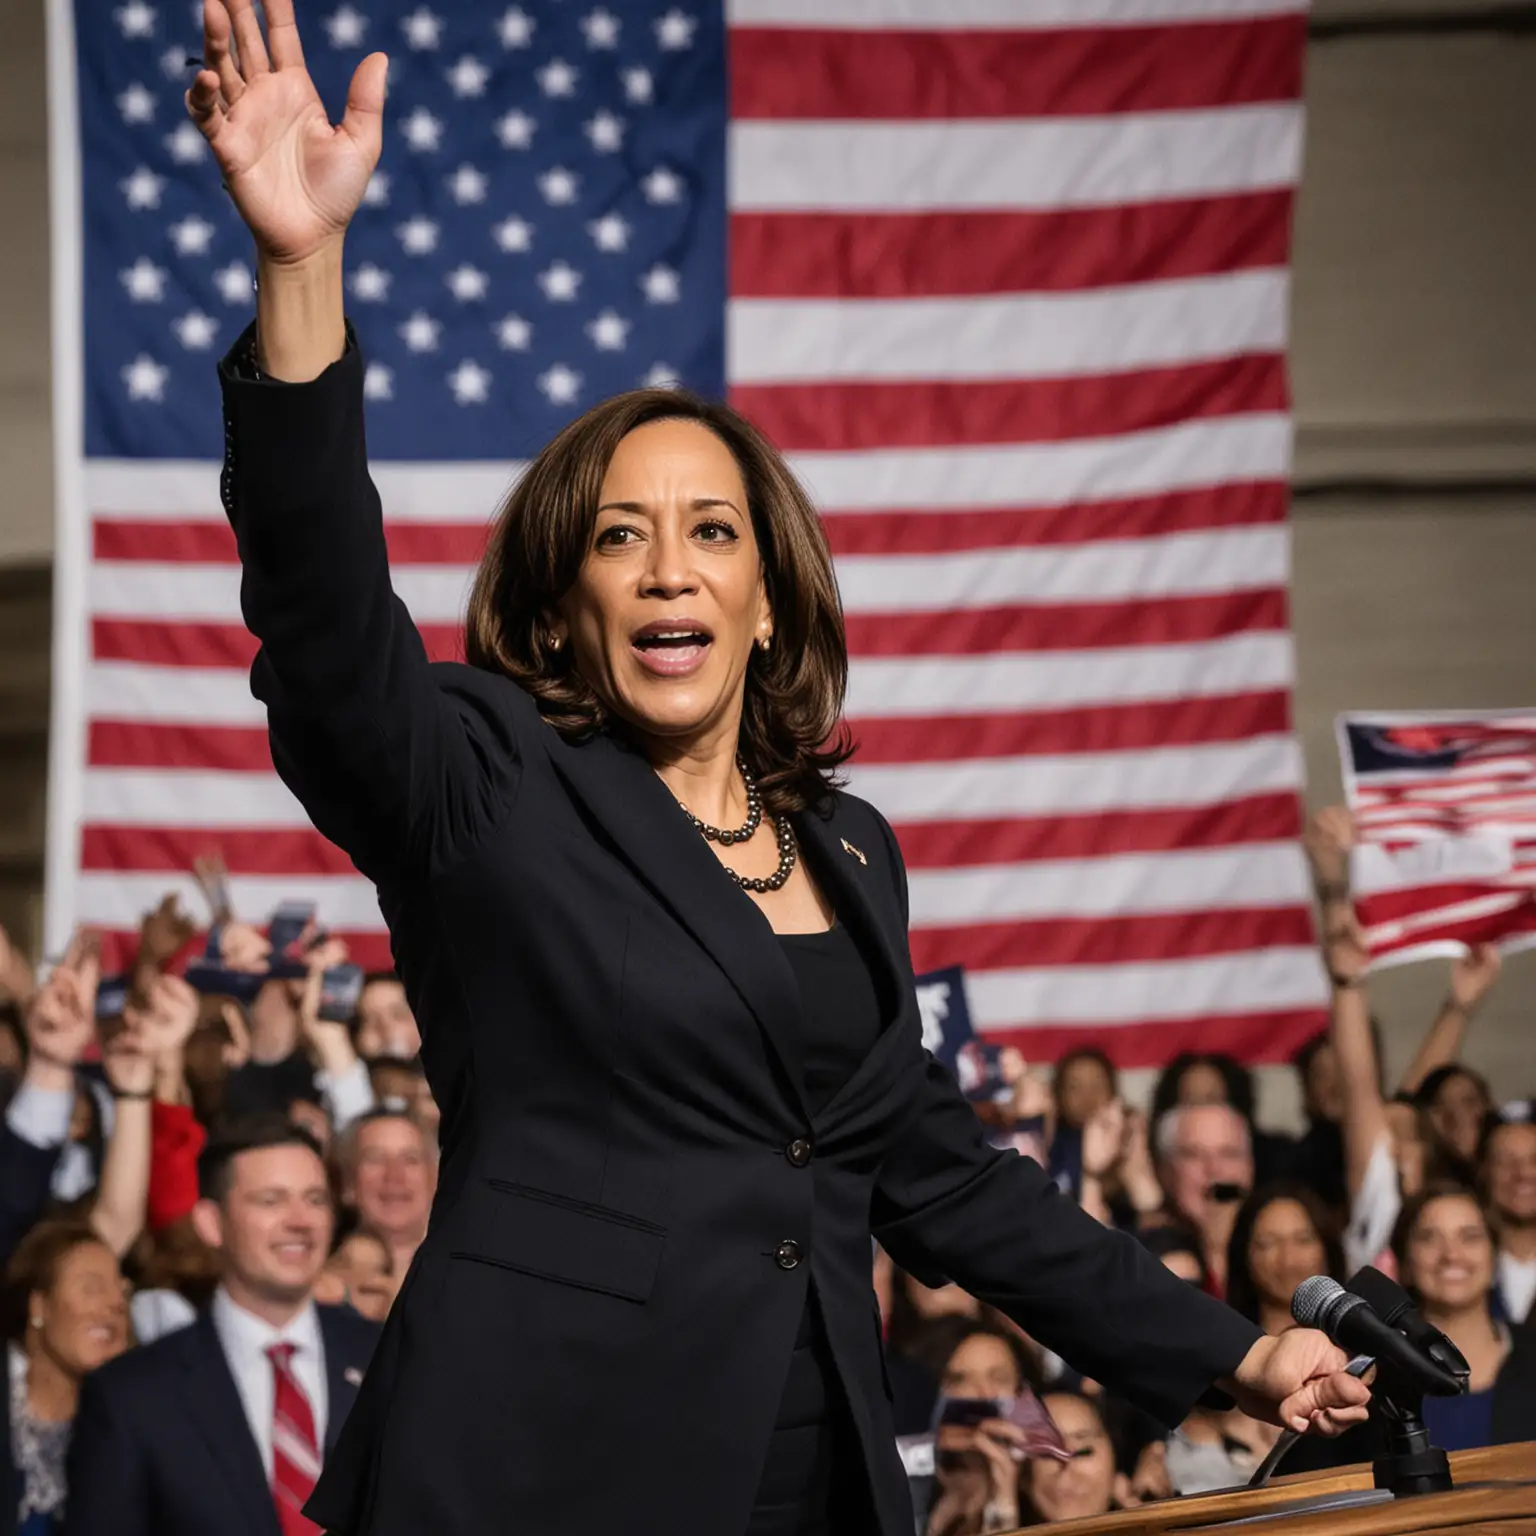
[
  {"x": 957, "y": 15},
  {"x": 175, "y": 490},
  {"x": 1117, "y": 885},
  {"x": 126, "y": 690},
  {"x": 1193, "y": 455},
  {"x": 1034, "y": 163},
  {"x": 143, "y": 589},
  {"x": 184, "y": 797},
  {"x": 885, "y": 687},
  {"x": 119, "y": 899},
  {"x": 1174, "y": 565},
  {"x": 1160, "y": 778},
  {"x": 1254, "y": 981},
  {"x": 1008, "y": 336}
]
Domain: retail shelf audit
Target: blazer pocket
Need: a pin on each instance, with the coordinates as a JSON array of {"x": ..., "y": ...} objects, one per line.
[{"x": 554, "y": 1237}]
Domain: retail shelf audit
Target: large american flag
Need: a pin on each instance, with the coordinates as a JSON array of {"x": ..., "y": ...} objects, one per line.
[{"x": 1007, "y": 279}]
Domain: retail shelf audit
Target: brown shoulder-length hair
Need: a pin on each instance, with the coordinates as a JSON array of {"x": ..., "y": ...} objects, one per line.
[
  {"x": 35, "y": 1267},
  {"x": 794, "y": 691}
]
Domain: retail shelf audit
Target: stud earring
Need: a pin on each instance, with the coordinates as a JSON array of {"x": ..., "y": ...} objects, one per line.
[
  {"x": 764, "y": 641},
  {"x": 37, "y": 1322},
  {"x": 555, "y": 642}
]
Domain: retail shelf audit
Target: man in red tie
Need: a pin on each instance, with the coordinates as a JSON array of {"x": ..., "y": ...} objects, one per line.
[{"x": 223, "y": 1426}]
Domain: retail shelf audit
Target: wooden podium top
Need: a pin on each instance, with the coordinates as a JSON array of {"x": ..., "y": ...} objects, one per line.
[{"x": 1495, "y": 1492}]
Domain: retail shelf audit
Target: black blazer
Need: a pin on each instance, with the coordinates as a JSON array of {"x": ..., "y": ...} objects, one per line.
[
  {"x": 595, "y": 1333},
  {"x": 162, "y": 1446}
]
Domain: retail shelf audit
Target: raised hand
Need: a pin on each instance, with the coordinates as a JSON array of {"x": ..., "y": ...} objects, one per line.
[
  {"x": 1104, "y": 1140},
  {"x": 295, "y": 178},
  {"x": 1328, "y": 839},
  {"x": 1473, "y": 975},
  {"x": 61, "y": 1020},
  {"x": 165, "y": 1022}
]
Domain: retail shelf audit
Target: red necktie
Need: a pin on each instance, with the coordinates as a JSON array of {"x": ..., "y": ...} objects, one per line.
[{"x": 295, "y": 1454}]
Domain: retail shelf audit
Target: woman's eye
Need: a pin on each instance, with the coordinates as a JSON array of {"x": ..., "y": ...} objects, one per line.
[
  {"x": 716, "y": 532},
  {"x": 617, "y": 534}
]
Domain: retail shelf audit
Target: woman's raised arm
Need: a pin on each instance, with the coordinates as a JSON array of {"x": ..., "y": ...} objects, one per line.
[{"x": 395, "y": 762}]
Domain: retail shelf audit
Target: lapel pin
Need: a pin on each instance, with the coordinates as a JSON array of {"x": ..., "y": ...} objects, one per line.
[
  {"x": 352, "y": 1376},
  {"x": 849, "y": 848}
]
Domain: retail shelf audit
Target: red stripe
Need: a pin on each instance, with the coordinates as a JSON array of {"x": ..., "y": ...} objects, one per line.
[
  {"x": 1252, "y": 1037},
  {"x": 145, "y": 744},
  {"x": 210, "y": 541},
  {"x": 1066, "y": 626},
  {"x": 1109, "y": 940},
  {"x": 912, "y": 255},
  {"x": 1089, "y": 728},
  {"x": 206, "y": 643},
  {"x": 1481, "y": 930},
  {"x": 946, "y": 412},
  {"x": 1019, "y": 840},
  {"x": 246, "y": 850},
  {"x": 788, "y": 73},
  {"x": 1244, "y": 504},
  {"x": 369, "y": 948}
]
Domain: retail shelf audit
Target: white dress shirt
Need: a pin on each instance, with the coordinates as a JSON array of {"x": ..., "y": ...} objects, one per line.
[
  {"x": 246, "y": 1339},
  {"x": 1517, "y": 1285}
]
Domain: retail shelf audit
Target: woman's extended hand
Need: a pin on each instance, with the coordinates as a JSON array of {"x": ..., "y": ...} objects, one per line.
[
  {"x": 296, "y": 179},
  {"x": 1297, "y": 1379}
]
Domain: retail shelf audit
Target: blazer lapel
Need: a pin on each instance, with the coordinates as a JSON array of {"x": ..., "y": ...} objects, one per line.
[
  {"x": 343, "y": 1375},
  {"x": 652, "y": 832},
  {"x": 215, "y": 1407}
]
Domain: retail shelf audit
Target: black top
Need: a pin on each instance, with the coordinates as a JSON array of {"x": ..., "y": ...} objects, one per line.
[{"x": 841, "y": 1006}]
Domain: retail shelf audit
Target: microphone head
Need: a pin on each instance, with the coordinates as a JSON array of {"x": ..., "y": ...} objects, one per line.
[
  {"x": 1385, "y": 1297},
  {"x": 1320, "y": 1302}
]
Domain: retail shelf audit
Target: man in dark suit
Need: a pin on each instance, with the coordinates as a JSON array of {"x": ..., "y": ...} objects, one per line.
[{"x": 222, "y": 1426}]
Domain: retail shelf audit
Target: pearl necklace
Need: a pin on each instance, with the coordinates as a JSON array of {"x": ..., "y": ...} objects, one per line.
[{"x": 783, "y": 832}]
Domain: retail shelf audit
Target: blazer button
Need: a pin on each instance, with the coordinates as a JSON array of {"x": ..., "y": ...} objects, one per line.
[
  {"x": 798, "y": 1152},
  {"x": 788, "y": 1254}
]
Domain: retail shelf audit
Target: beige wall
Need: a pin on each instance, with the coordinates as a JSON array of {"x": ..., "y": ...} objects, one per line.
[{"x": 1414, "y": 357}]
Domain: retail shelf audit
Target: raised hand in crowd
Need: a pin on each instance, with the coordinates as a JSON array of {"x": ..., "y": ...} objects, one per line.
[
  {"x": 1117, "y": 1162},
  {"x": 1328, "y": 841},
  {"x": 979, "y": 1481},
  {"x": 213, "y": 881},
  {"x": 162, "y": 933},
  {"x": 330, "y": 1040},
  {"x": 60, "y": 1022},
  {"x": 243, "y": 947}
]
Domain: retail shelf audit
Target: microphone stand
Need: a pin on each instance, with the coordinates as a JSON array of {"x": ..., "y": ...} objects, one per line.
[{"x": 1411, "y": 1465}]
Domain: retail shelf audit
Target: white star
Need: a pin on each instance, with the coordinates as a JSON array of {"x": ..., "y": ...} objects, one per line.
[
  {"x": 370, "y": 284},
  {"x": 143, "y": 188},
  {"x": 191, "y": 235},
  {"x": 422, "y": 130},
  {"x": 345, "y": 27},
  {"x": 421, "y": 28},
  {"x": 174, "y": 64},
  {"x": 609, "y": 233},
  {"x": 513, "y": 234},
  {"x": 467, "y": 185},
  {"x": 144, "y": 281},
  {"x": 560, "y": 384},
  {"x": 604, "y": 130},
  {"x": 468, "y": 77},
  {"x": 421, "y": 331},
  {"x": 418, "y": 236},
  {"x": 186, "y": 143},
  {"x": 515, "y": 130},
  {"x": 559, "y": 186},
  {"x": 637, "y": 85},
  {"x": 660, "y": 285},
  {"x": 558, "y": 78},
  {"x": 137, "y": 103},
  {"x": 376, "y": 194},
  {"x": 234, "y": 283},
  {"x": 662, "y": 186},
  {"x": 135, "y": 19},
  {"x": 601, "y": 28},
  {"x": 378, "y": 382},
  {"x": 674, "y": 30},
  {"x": 513, "y": 333},
  {"x": 515, "y": 28},
  {"x": 470, "y": 383},
  {"x": 661, "y": 376},
  {"x": 559, "y": 282},
  {"x": 195, "y": 330},
  {"x": 609, "y": 332},
  {"x": 145, "y": 378},
  {"x": 466, "y": 282}
]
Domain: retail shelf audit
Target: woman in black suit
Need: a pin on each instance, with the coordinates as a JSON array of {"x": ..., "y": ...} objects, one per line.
[{"x": 659, "y": 960}]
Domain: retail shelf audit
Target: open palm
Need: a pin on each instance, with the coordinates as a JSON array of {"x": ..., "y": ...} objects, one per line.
[{"x": 295, "y": 178}]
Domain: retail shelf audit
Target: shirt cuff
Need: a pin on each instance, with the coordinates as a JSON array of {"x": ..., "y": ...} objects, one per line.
[
  {"x": 41, "y": 1116},
  {"x": 348, "y": 1095}
]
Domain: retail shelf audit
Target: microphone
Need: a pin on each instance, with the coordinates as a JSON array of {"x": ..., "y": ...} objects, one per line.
[
  {"x": 1394, "y": 1306},
  {"x": 1348, "y": 1320}
]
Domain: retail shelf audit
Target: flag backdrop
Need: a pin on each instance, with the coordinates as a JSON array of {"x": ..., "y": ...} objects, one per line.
[
  {"x": 1007, "y": 279},
  {"x": 1445, "y": 816}
]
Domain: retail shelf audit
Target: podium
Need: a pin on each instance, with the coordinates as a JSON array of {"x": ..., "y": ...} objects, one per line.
[{"x": 1495, "y": 1493}]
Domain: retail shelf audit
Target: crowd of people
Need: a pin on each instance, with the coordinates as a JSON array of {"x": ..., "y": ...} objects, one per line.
[{"x": 186, "y": 1176}]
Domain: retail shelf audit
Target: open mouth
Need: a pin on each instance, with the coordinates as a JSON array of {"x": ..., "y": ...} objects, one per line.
[{"x": 672, "y": 647}]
